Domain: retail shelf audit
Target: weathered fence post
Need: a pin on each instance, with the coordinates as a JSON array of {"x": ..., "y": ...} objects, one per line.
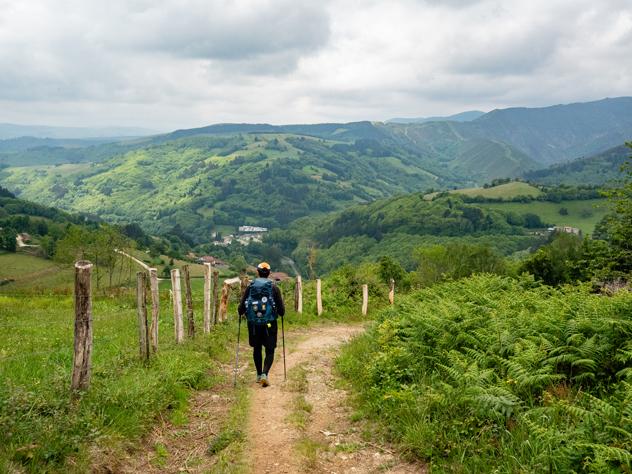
[
  {"x": 155, "y": 308},
  {"x": 223, "y": 306},
  {"x": 189, "y": 301},
  {"x": 391, "y": 292},
  {"x": 208, "y": 270},
  {"x": 141, "y": 308},
  {"x": 298, "y": 295},
  {"x": 365, "y": 299},
  {"x": 319, "y": 298},
  {"x": 82, "y": 358},
  {"x": 244, "y": 281},
  {"x": 215, "y": 297},
  {"x": 177, "y": 305}
]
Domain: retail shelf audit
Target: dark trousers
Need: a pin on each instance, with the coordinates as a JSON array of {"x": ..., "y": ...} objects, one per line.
[{"x": 260, "y": 336}]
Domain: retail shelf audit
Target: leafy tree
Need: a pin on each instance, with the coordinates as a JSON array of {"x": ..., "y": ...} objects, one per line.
[
  {"x": 553, "y": 264},
  {"x": 390, "y": 269},
  {"x": 619, "y": 225},
  {"x": 7, "y": 239},
  {"x": 454, "y": 261}
]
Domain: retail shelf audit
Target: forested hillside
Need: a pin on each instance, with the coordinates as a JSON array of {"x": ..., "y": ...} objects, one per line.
[
  {"x": 199, "y": 181},
  {"x": 600, "y": 169}
]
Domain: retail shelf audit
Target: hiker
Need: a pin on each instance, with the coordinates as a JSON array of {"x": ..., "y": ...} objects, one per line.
[{"x": 262, "y": 303}]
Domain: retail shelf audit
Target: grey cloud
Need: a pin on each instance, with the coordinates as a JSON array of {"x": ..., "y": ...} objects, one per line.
[{"x": 221, "y": 30}]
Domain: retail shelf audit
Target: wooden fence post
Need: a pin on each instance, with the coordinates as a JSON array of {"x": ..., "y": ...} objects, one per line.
[
  {"x": 391, "y": 292},
  {"x": 365, "y": 299},
  {"x": 208, "y": 270},
  {"x": 82, "y": 358},
  {"x": 177, "y": 305},
  {"x": 244, "y": 281},
  {"x": 319, "y": 298},
  {"x": 215, "y": 297},
  {"x": 223, "y": 306},
  {"x": 155, "y": 308},
  {"x": 189, "y": 302},
  {"x": 141, "y": 308},
  {"x": 298, "y": 295}
]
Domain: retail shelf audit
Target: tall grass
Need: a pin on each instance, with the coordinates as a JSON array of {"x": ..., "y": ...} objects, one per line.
[
  {"x": 491, "y": 374},
  {"x": 43, "y": 430}
]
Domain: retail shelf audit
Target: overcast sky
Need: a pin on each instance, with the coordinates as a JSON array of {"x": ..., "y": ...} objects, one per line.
[{"x": 184, "y": 63}]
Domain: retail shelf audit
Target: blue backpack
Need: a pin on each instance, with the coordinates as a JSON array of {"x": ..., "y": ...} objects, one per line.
[{"x": 260, "y": 306}]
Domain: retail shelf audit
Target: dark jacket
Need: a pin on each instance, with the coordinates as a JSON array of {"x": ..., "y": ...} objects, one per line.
[{"x": 276, "y": 294}]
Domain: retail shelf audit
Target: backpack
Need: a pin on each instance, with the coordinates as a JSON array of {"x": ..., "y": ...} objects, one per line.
[{"x": 260, "y": 305}]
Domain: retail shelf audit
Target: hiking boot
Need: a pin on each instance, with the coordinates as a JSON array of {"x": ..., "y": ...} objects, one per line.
[
  {"x": 264, "y": 380},
  {"x": 259, "y": 378}
]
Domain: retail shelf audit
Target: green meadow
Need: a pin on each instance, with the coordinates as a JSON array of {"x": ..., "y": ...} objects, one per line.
[{"x": 583, "y": 214}]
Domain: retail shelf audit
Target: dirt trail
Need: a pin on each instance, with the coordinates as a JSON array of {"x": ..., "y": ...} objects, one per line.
[{"x": 326, "y": 442}]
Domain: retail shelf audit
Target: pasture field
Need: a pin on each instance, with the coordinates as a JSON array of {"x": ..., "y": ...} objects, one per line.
[
  {"x": 33, "y": 274},
  {"x": 583, "y": 214},
  {"x": 503, "y": 191},
  {"x": 45, "y": 430}
]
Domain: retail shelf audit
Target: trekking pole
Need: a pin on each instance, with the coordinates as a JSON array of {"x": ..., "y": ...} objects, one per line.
[
  {"x": 237, "y": 353},
  {"x": 283, "y": 335}
]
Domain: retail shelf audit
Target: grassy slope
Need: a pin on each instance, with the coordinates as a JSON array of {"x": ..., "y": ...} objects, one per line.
[
  {"x": 45, "y": 432},
  {"x": 33, "y": 274},
  {"x": 503, "y": 191},
  {"x": 549, "y": 212}
]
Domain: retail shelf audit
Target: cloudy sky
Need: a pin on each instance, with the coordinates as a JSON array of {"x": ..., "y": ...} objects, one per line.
[{"x": 183, "y": 63}]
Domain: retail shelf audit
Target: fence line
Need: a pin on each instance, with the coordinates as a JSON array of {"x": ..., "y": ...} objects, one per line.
[{"x": 215, "y": 311}]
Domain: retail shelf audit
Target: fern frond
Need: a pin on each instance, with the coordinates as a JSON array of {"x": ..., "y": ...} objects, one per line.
[{"x": 609, "y": 453}]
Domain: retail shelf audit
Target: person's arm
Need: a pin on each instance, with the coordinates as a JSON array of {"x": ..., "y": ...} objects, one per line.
[
  {"x": 278, "y": 300},
  {"x": 241, "y": 309}
]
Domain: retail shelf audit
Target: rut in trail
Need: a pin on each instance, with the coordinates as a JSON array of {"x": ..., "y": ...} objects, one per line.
[{"x": 303, "y": 426}]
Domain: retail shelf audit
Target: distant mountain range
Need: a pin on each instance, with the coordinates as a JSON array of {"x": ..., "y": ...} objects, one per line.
[
  {"x": 460, "y": 117},
  {"x": 212, "y": 176},
  {"x": 11, "y": 130}
]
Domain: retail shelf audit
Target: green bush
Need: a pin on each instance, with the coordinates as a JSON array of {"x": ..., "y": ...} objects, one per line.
[{"x": 491, "y": 374}]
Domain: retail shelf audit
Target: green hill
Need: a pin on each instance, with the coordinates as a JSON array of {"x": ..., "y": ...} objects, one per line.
[
  {"x": 600, "y": 169},
  {"x": 201, "y": 182},
  {"x": 397, "y": 226},
  {"x": 506, "y": 191}
]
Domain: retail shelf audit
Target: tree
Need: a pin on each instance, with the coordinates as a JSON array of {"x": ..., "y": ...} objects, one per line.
[
  {"x": 390, "y": 269},
  {"x": 7, "y": 239},
  {"x": 620, "y": 223}
]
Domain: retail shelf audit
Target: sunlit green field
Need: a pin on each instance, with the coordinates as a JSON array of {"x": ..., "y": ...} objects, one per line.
[
  {"x": 44, "y": 431},
  {"x": 581, "y": 214}
]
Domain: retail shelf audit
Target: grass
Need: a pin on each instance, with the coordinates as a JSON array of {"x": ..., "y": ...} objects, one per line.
[
  {"x": 301, "y": 409},
  {"x": 581, "y": 214},
  {"x": 33, "y": 274},
  {"x": 45, "y": 431},
  {"x": 230, "y": 444},
  {"x": 503, "y": 191}
]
